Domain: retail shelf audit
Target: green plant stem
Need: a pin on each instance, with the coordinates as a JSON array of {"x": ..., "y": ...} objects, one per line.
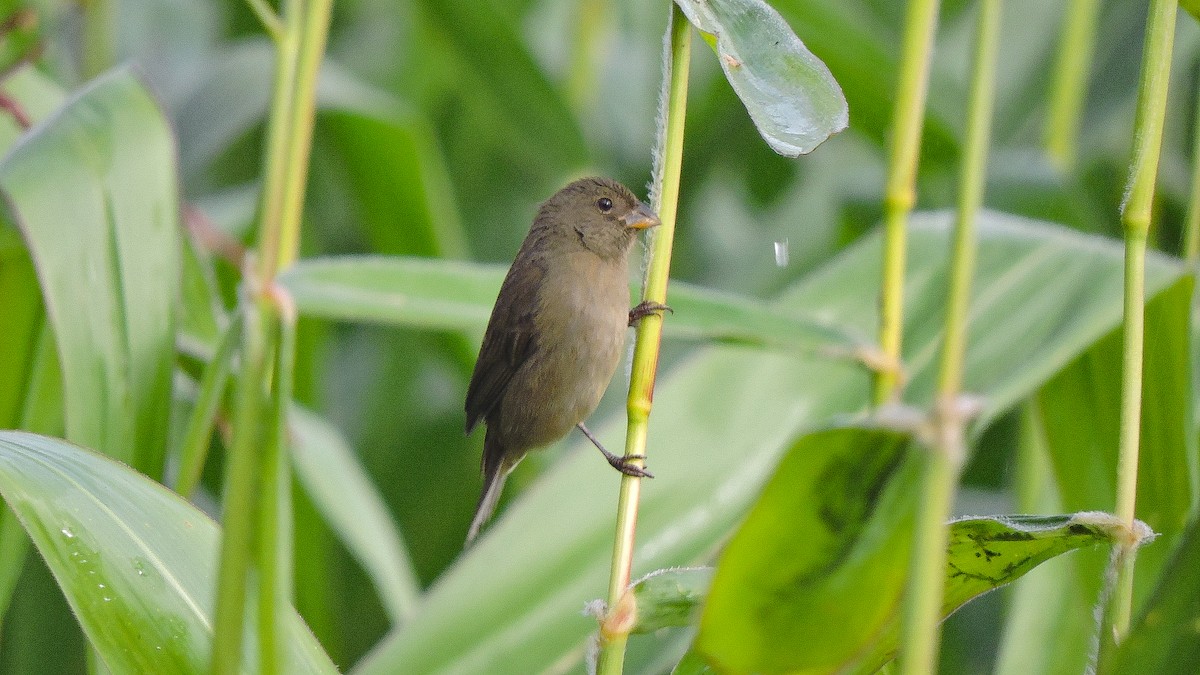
[
  {"x": 300, "y": 47},
  {"x": 275, "y": 521},
  {"x": 908, "y": 115},
  {"x": 1072, "y": 67},
  {"x": 270, "y": 216},
  {"x": 270, "y": 20},
  {"x": 1135, "y": 219},
  {"x": 193, "y": 451},
  {"x": 923, "y": 600},
  {"x": 619, "y": 619},
  {"x": 591, "y": 19},
  {"x": 1191, "y": 232},
  {"x": 98, "y": 52},
  {"x": 313, "y": 31},
  {"x": 237, "y": 542}
]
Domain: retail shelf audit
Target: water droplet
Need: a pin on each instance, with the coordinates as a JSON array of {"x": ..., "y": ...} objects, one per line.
[
  {"x": 68, "y": 533},
  {"x": 781, "y": 253}
]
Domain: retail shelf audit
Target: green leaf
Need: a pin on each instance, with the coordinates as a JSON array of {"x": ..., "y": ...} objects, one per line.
[
  {"x": 784, "y": 560},
  {"x": 1192, "y": 7},
  {"x": 987, "y": 553},
  {"x": 1079, "y": 407},
  {"x": 817, "y": 568},
  {"x": 94, "y": 194},
  {"x": 670, "y": 597},
  {"x": 452, "y": 295},
  {"x": 135, "y": 561},
  {"x": 38, "y": 97},
  {"x": 790, "y": 94},
  {"x": 352, "y": 506},
  {"x": 515, "y": 596},
  {"x": 1165, "y": 639}
]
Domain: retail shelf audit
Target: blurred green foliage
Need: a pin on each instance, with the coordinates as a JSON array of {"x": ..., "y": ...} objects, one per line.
[{"x": 443, "y": 123}]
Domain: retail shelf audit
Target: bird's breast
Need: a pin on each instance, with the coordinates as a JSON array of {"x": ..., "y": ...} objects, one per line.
[{"x": 581, "y": 328}]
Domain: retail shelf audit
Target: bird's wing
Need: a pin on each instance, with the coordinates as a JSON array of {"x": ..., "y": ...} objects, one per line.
[{"x": 510, "y": 339}]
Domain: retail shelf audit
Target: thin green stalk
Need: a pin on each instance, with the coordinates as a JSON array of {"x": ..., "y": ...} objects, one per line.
[
  {"x": 270, "y": 20},
  {"x": 923, "y": 600},
  {"x": 279, "y": 137},
  {"x": 237, "y": 542},
  {"x": 314, "y": 30},
  {"x": 614, "y": 630},
  {"x": 1120, "y": 609},
  {"x": 1191, "y": 232},
  {"x": 193, "y": 451},
  {"x": 1072, "y": 68},
  {"x": 591, "y": 20},
  {"x": 99, "y": 26},
  {"x": 275, "y": 521},
  {"x": 1135, "y": 219},
  {"x": 908, "y": 115}
]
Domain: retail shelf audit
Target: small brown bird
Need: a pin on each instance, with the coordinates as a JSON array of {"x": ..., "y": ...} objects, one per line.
[{"x": 555, "y": 335}]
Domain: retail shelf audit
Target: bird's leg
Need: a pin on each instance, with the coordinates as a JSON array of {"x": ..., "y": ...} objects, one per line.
[
  {"x": 622, "y": 464},
  {"x": 646, "y": 308}
]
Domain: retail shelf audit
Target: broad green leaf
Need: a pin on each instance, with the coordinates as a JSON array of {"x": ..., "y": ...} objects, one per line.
[
  {"x": 340, "y": 489},
  {"x": 38, "y": 97},
  {"x": 987, "y": 553},
  {"x": 446, "y": 294},
  {"x": 515, "y": 596},
  {"x": 24, "y": 315},
  {"x": 1079, "y": 409},
  {"x": 1165, "y": 639},
  {"x": 670, "y": 597},
  {"x": 817, "y": 568},
  {"x": 136, "y": 562},
  {"x": 790, "y": 94},
  {"x": 94, "y": 195},
  {"x": 983, "y": 554}
]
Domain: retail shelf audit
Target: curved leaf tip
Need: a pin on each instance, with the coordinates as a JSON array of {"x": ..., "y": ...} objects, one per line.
[{"x": 790, "y": 94}]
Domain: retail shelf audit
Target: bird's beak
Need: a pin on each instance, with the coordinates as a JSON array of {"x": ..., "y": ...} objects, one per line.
[{"x": 640, "y": 218}]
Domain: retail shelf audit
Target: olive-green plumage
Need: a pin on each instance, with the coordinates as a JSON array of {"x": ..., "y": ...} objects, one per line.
[{"x": 556, "y": 332}]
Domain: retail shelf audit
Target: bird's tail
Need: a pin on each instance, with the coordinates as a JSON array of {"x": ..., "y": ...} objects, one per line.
[{"x": 495, "y": 471}]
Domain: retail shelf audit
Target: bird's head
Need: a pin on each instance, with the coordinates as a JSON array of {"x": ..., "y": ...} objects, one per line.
[{"x": 599, "y": 213}]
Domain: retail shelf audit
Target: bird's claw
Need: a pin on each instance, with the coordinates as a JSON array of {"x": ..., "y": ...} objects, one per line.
[
  {"x": 646, "y": 308},
  {"x": 626, "y": 466}
]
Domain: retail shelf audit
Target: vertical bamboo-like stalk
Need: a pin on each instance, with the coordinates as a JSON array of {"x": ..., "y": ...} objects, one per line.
[
  {"x": 1072, "y": 67},
  {"x": 1135, "y": 221},
  {"x": 908, "y": 116},
  {"x": 619, "y": 619},
  {"x": 238, "y": 505},
  {"x": 923, "y": 599},
  {"x": 1191, "y": 228},
  {"x": 275, "y": 579},
  {"x": 299, "y": 36},
  {"x": 591, "y": 20},
  {"x": 97, "y": 43}
]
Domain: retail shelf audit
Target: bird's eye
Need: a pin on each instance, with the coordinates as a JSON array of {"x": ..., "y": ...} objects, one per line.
[{"x": 604, "y": 204}]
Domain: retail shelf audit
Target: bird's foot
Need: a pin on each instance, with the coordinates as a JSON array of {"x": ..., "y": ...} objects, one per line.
[
  {"x": 646, "y": 308},
  {"x": 623, "y": 464},
  {"x": 626, "y": 464}
]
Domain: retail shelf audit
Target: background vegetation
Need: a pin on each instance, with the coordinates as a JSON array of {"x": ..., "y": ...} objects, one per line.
[{"x": 441, "y": 125}]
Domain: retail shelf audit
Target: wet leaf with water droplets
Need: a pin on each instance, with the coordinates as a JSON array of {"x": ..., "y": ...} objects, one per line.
[
  {"x": 790, "y": 94},
  {"x": 134, "y": 560}
]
